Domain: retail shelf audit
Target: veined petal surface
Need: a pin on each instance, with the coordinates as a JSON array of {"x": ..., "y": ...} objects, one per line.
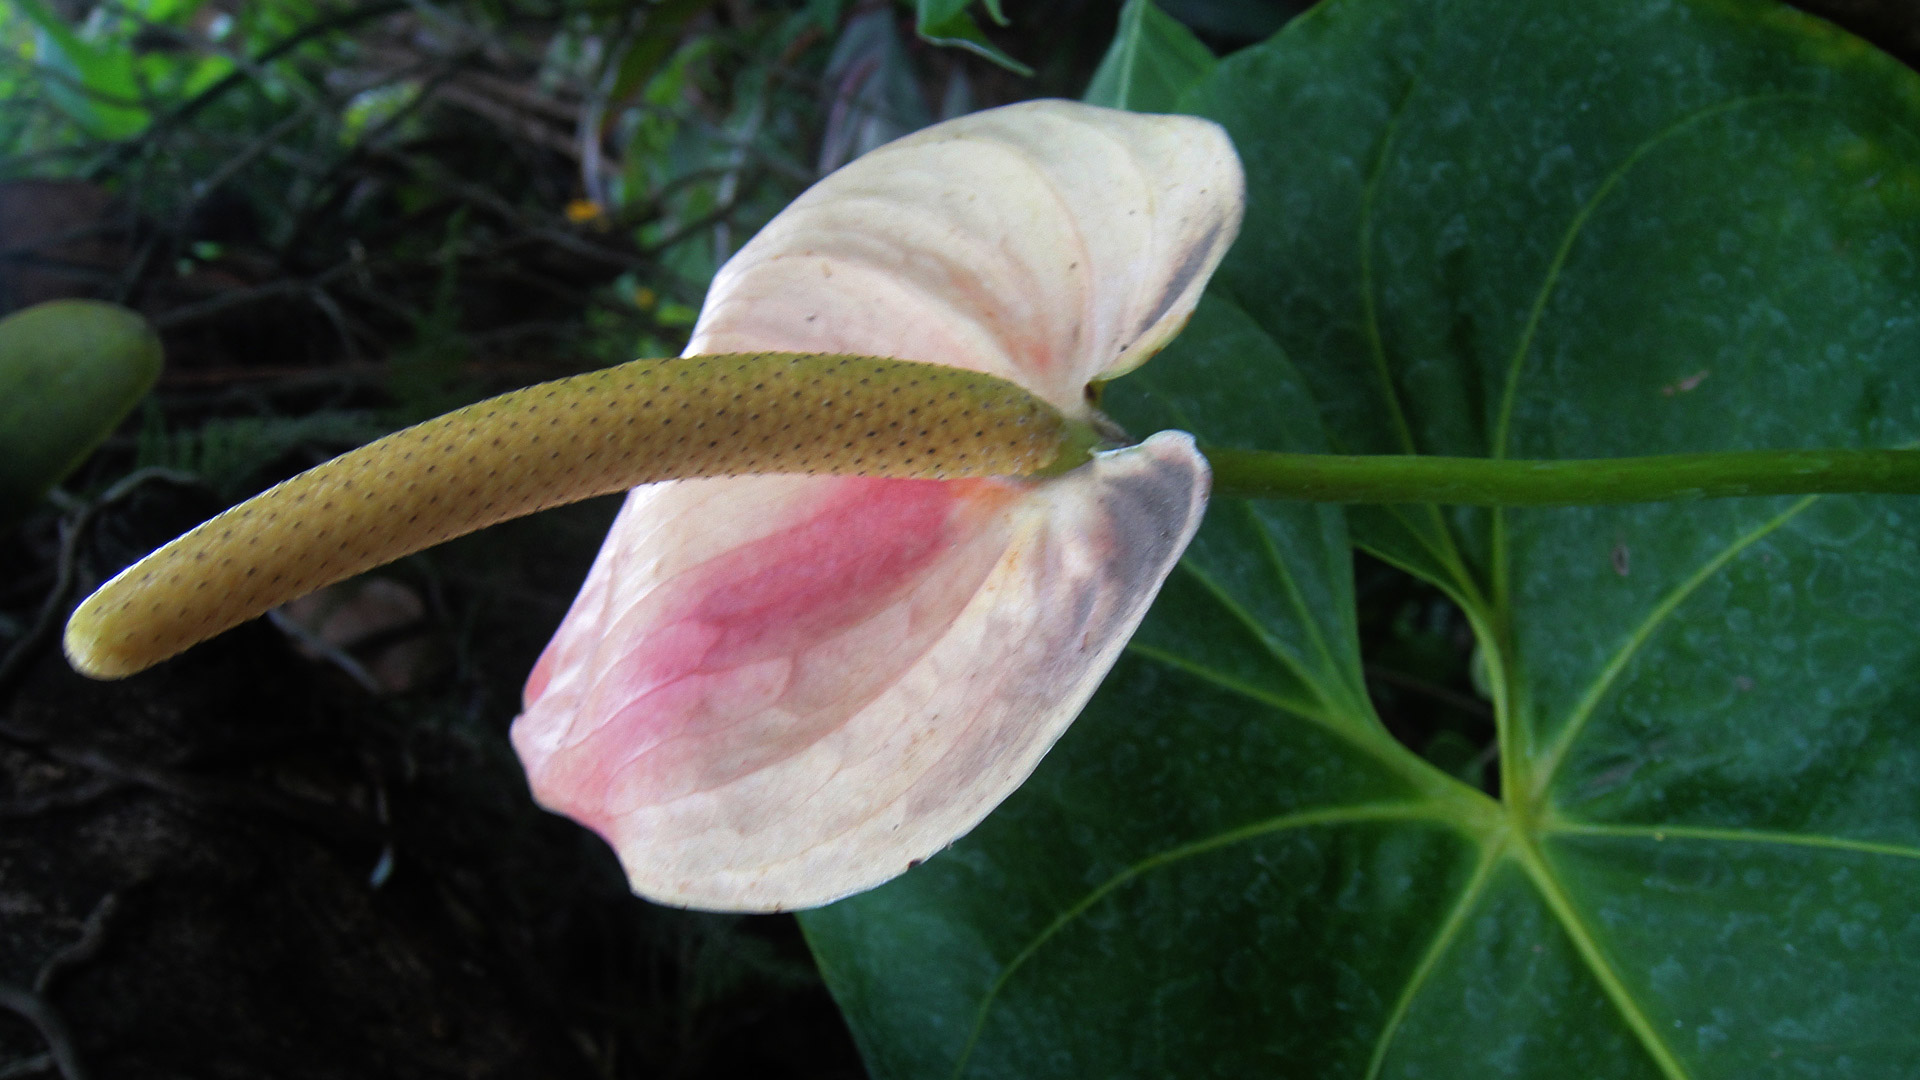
[
  {"x": 1050, "y": 243},
  {"x": 823, "y": 681}
]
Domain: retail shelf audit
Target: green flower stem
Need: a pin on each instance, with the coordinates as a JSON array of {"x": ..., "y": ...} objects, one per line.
[{"x": 1379, "y": 479}]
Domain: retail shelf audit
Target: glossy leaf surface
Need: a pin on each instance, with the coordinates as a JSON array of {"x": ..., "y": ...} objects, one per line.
[{"x": 1524, "y": 228}]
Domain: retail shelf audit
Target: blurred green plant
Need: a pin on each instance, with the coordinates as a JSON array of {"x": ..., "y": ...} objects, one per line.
[
  {"x": 232, "y": 456},
  {"x": 70, "y": 371},
  {"x": 951, "y": 22}
]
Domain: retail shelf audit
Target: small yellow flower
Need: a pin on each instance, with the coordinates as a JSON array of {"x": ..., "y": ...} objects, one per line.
[{"x": 586, "y": 212}]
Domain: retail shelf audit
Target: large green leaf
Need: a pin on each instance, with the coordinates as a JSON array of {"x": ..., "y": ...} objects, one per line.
[
  {"x": 948, "y": 22},
  {"x": 1537, "y": 228},
  {"x": 1152, "y": 61}
]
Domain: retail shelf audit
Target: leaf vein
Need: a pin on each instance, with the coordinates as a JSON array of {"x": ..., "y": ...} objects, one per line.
[
  {"x": 1436, "y": 949},
  {"x": 1578, "y": 225},
  {"x": 1336, "y": 815},
  {"x": 1589, "y": 949},
  {"x": 1761, "y": 837},
  {"x": 1305, "y": 710},
  {"x": 1446, "y": 551},
  {"x": 1290, "y": 581},
  {"x": 1267, "y": 643},
  {"x": 1589, "y": 702}
]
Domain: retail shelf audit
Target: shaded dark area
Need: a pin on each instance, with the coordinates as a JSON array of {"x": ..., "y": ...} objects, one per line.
[
  {"x": 1420, "y": 659},
  {"x": 244, "y": 863},
  {"x": 257, "y": 862},
  {"x": 305, "y": 850},
  {"x": 1893, "y": 25}
]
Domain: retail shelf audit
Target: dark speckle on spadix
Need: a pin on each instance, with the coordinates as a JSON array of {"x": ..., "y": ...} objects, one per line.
[{"x": 484, "y": 464}]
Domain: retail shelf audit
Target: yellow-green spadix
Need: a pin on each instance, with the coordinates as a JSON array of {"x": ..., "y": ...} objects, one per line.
[
  {"x": 777, "y": 689},
  {"x": 559, "y": 442}
]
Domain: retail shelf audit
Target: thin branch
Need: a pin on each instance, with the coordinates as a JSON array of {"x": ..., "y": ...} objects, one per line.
[
  {"x": 244, "y": 72},
  {"x": 490, "y": 201},
  {"x": 255, "y": 147},
  {"x": 272, "y": 290},
  {"x": 329, "y": 652},
  {"x": 39, "y": 1012},
  {"x": 719, "y": 214},
  {"x": 30, "y": 806},
  {"x": 28, "y": 1066},
  {"x": 93, "y": 935},
  {"x": 74, "y": 529},
  {"x": 1445, "y": 695}
]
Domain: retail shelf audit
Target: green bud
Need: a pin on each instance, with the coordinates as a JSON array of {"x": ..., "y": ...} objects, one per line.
[{"x": 70, "y": 371}]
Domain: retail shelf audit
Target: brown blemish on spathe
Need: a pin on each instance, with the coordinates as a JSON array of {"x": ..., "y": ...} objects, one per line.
[
  {"x": 1686, "y": 385},
  {"x": 1198, "y": 257}
]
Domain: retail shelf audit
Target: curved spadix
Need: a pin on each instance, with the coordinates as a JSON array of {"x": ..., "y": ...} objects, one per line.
[{"x": 555, "y": 443}]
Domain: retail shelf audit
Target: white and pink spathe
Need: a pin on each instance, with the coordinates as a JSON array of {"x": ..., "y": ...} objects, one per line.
[{"x": 774, "y": 691}]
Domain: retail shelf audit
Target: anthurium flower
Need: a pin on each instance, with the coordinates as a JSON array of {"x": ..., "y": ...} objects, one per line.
[
  {"x": 872, "y": 570},
  {"x": 773, "y": 691}
]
